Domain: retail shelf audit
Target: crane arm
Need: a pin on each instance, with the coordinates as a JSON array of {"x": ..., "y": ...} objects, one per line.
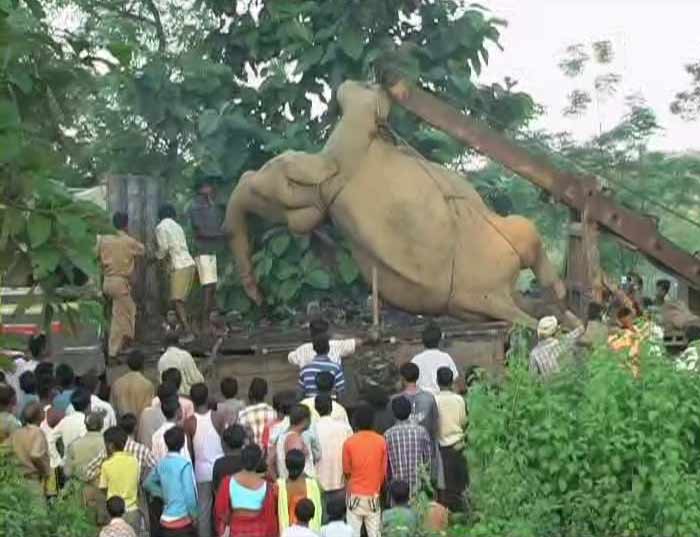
[{"x": 577, "y": 191}]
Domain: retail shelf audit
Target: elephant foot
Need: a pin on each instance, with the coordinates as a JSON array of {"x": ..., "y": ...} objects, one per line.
[{"x": 252, "y": 290}]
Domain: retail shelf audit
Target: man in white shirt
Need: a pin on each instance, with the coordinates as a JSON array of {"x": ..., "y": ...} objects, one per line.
[
  {"x": 72, "y": 426},
  {"x": 171, "y": 410},
  {"x": 331, "y": 434},
  {"x": 432, "y": 359},
  {"x": 339, "y": 348},
  {"x": 97, "y": 405},
  {"x": 180, "y": 359},
  {"x": 172, "y": 243}
]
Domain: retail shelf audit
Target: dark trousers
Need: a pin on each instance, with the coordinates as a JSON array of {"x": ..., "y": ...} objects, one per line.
[
  {"x": 189, "y": 531},
  {"x": 155, "y": 509},
  {"x": 331, "y": 496},
  {"x": 456, "y": 478}
]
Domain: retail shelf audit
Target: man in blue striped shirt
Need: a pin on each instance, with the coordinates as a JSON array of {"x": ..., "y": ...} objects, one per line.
[{"x": 307, "y": 376}]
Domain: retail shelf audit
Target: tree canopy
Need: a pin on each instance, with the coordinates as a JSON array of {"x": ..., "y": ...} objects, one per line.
[{"x": 171, "y": 89}]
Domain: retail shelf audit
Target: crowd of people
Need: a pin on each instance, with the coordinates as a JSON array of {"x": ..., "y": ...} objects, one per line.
[
  {"x": 172, "y": 460},
  {"x": 624, "y": 321}
]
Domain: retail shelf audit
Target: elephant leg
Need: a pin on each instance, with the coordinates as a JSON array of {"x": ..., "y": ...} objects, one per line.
[
  {"x": 496, "y": 306},
  {"x": 525, "y": 239},
  {"x": 304, "y": 220},
  {"x": 547, "y": 275}
]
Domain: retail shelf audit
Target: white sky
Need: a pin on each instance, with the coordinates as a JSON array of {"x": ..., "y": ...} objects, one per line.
[{"x": 652, "y": 40}]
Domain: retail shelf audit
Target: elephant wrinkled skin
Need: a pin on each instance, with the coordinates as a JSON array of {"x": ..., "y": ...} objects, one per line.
[{"x": 437, "y": 247}]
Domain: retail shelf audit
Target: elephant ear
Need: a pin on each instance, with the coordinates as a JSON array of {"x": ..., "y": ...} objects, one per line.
[{"x": 308, "y": 168}]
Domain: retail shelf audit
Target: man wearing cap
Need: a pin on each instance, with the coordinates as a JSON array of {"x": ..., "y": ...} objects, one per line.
[
  {"x": 206, "y": 218},
  {"x": 544, "y": 357}
]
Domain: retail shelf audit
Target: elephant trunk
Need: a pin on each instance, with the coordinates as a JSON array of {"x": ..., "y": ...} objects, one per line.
[{"x": 236, "y": 226}]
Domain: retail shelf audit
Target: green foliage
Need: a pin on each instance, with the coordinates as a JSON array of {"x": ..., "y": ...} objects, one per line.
[
  {"x": 222, "y": 87},
  {"x": 23, "y": 514},
  {"x": 46, "y": 237},
  {"x": 293, "y": 270},
  {"x": 687, "y": 103},
  {"x": 591, "y": 452}
]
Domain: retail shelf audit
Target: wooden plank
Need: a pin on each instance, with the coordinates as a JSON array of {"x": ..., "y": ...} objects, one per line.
[
  {"x": 153, "y": 294},
  {"x": 116, "y": 194}
]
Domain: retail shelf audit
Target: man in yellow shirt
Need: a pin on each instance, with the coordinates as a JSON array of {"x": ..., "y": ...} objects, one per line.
[
  {"x": 117, "y": 255},
  {"x": 120, "y": 475}
]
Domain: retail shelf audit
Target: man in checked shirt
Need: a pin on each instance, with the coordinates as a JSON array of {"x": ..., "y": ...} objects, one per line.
[
  {"x": 409, "y": 447},
  {"x": 544, "y": 357}
]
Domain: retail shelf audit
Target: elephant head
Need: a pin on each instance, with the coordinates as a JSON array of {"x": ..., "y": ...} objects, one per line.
[{"x": 285, "y": 190}]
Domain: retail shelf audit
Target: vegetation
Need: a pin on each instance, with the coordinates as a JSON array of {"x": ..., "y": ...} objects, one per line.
[
  {"x": 168, "y": 89},
  {"x": 46, "y": 236},
  {"x": 22, "y": 513},
  {"x": 593, "y": 452}
]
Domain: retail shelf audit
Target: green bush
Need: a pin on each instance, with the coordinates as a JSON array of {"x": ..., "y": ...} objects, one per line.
[
  {"x": 591, "y": 452},
  {"x": 22, "y": 514}
]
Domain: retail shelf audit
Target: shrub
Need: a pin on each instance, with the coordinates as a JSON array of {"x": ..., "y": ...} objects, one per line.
[
  {"x": 22, "y": 514},
  {"x": 590, "y": 452}
]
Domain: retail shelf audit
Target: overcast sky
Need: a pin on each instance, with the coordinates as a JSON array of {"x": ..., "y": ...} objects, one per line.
[{"x": 652, "y": 40}]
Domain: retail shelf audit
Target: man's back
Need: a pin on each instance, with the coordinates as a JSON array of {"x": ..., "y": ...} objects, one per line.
[
  {"x": 158, "y": 446},
  {"x": 452, "y": 413},
  {"x": 32, "y": 451},
  {"x": 117, "y": 254},
  {"x": 81, "y": 452},
  {"x": 544, "y": 357},
  {"x": 180, "y": 359},
  {"x": 70, "y": 428},
  {"x": 424, "y": 410},
  {"x": 332, "y": 435},
  {"x": 409, "y": 449},
  {"x": 339, "y": 349},
  {"x": 173, "y": 243},
  {"x": 150, "y": 421},
  {"x": 365, "y": 462},
  {"x": 338, "y": 411},
  {"x": 428, "y": 362},
  {"x": 307, "y": 376},
  {"x": 132, "y": 393},
  {"x": 173, "y": 480}
]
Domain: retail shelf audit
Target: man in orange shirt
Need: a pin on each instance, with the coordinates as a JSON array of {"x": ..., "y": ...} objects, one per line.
[
  {"x": 627, "y": 339},
  {"x": 365, "y": 465}
]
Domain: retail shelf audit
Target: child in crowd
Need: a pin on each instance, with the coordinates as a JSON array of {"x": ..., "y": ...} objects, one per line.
[
  {"x": 304, "y": 512},
  {"x": 400, "y": 519},
  {"x": 171, "y": 324},
  {"x": 117, "y": 526},
  {"x": 336, "y": 527},
  {"x": 120, "y": 475}
]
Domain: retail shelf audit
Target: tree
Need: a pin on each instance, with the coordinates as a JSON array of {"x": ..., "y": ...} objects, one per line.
[
  {"x": 221, "y": 87},
  {"x": 687, "y": 102},
  {"x": 46, "y": 236}
]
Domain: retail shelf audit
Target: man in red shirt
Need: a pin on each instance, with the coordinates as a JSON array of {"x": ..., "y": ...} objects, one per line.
[{"x": 365, "y": 466}]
